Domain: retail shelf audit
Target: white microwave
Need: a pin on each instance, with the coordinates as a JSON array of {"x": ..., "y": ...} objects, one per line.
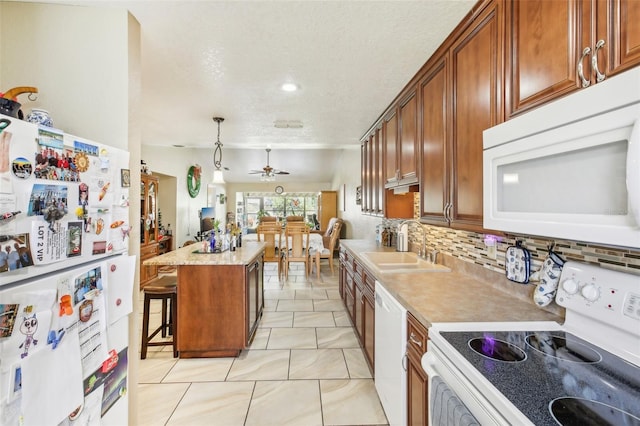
[{"x": 569, "y": 169}]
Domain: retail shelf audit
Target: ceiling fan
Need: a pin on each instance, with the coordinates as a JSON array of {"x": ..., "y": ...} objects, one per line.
[{"x": 268, "y": 171}]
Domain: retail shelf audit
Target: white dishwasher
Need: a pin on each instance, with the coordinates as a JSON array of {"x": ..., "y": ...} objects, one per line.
[{"x": 390, "y": 348}]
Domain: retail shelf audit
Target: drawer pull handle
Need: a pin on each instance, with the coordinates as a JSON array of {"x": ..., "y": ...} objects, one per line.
[
  {"x": 585, "y": 82},
  {"x": 412, "y": 339},
  {"x": 594, "y": 61}
]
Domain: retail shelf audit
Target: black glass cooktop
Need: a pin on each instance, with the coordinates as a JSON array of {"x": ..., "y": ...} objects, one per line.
[{"x": 554, "y": 377}]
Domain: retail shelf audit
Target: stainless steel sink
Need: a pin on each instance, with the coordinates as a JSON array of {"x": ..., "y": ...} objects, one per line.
[{"x": 401, "y": 262}]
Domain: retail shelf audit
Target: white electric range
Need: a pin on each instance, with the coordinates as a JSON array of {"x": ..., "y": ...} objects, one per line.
[{"x": 583, "y": 372}]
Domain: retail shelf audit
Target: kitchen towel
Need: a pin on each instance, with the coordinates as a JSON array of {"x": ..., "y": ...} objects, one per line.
[
  {"x": 446, "y": 408},
  {"x": 518, "y": 263}
]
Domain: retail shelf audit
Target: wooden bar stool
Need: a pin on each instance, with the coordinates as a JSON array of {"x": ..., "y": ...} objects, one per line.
[{"x": 166, "y": 290}]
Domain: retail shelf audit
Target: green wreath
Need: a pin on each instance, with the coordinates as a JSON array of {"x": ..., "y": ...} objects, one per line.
[{"x": 193, "y": 175}]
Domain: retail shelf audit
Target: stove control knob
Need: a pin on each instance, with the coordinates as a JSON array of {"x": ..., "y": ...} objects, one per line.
[
  {"x": 590, "y": 292},
  {"x": 570, "y": 286}
]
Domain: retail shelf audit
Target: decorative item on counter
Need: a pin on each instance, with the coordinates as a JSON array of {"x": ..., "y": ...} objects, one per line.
[
  {"x": 9, "y": 104},
  {"x": 548, "y": 275},
  {"x": 518, "y": 263},
  {"x": 8, "y": 217},
  {"x": 40, "y": 117}
]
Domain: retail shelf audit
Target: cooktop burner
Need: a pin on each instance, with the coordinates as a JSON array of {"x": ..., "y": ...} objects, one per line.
[
  {"x": 498, "y": 350},
  {"x": 553, "y": 376},
  {"x": 564, "y": 348},
  {"x": 579, "y": 412}
]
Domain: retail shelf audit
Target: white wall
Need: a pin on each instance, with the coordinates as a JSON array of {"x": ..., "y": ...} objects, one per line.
[
  {"x": 176, "y": 162},
  {"x": 78, "y": 59}
]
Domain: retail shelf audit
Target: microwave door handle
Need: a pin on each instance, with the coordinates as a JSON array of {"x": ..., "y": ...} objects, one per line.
[{"x": 633, "y": 172}]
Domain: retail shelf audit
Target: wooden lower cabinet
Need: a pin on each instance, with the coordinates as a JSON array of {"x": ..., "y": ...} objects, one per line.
[
  {"x": 357, "y": 292},
  {"x": 148, "y": 272},
  {"x": 218, "y": 308},
  {"x": 417, "y": 379}
]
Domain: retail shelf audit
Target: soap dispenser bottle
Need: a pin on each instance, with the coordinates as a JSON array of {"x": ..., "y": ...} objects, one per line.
[{"x": 403, "y": 238}]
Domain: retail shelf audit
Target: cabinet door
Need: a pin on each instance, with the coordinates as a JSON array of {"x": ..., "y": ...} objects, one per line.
[
  {"x": 364, "y": 177},
  {"x": 417, "y": 392},
  {"x": 407, "y": 143},
  {"x": 545, "y": 40},
  {"x": 618, "y": 24},
  {"x": 476, "y": 60},
  {"x": 378, "y": 164},
  {"x": 435, "y": 104},
  {"x": 253, "y": 273},
  {"x": 389, "y": 146}
]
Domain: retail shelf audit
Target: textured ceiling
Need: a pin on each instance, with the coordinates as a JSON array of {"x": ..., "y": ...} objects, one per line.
[{"x": 228, "y": 58}]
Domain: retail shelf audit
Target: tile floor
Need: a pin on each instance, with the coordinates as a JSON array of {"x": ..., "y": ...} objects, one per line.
[{"x": 304, "y": 367}]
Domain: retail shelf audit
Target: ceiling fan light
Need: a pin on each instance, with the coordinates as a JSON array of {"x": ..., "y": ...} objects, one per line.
[
  {"x": 265, "y": 177},
  {"x": 218, "y": 177}
]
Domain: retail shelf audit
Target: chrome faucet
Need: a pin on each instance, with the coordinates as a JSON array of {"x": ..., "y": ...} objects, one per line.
[{"x": 423, "y": 249}]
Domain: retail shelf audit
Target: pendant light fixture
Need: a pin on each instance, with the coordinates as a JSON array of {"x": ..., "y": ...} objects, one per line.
[{"x": 217, "y": 155}]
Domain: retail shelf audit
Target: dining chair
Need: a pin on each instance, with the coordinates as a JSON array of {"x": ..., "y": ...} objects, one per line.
[
  {"x": 297, "y": 246},
  {"x": 271, "y": 234},
  {"x": 268, "y": 219},
  {"x": 295, "y": 219},
  {"x": 327, "y": 251}
]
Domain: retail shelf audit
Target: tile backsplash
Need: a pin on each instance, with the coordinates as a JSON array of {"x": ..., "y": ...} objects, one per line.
[{"x": 470, "y": 247}]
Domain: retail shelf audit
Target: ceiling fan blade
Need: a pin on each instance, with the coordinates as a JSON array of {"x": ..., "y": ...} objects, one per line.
[
  {"x": 255, "y": 172},
  {"x": 281, "y": 172}
]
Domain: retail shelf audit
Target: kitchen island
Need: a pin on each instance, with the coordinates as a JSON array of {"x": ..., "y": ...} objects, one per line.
[{"x": 220, "y": 298}]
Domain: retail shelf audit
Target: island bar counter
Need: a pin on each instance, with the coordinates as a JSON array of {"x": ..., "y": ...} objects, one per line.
[{"x": 220, "y": 298}]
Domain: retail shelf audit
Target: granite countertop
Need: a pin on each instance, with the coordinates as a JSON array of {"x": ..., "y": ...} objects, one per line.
[
  {"x": 469, "y": 293},
  {"x": 186, "y": 256}
]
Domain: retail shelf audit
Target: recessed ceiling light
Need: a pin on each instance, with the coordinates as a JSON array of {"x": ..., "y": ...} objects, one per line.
[{"x": 289, "y": 87}]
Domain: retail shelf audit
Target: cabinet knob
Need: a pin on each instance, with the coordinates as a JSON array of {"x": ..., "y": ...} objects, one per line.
[
  {"x": 583, "y": 80},
  {"x": 594, "y": 61}
]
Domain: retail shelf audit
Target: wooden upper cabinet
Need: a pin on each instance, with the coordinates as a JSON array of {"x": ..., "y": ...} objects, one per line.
[
  {"x": 376, "y": 170},
  {"x": 389, "y": 147},
  {"x": 434, "y": 182},
  {"x": 544, "y": 41},
  {"x": 476, "y": 67},
  {"x": 364, "y": 164},
  {"x": 408, "y": 122},
  {"x": 552, "y": 45},
  {"x": 618, "y": 24}
]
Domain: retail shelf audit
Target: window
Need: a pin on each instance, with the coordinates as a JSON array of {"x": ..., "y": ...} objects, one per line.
[{"x": 303, "y": 204}]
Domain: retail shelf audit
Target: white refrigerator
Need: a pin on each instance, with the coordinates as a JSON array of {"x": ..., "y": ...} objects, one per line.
[{"x": 66, "y": 279}]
